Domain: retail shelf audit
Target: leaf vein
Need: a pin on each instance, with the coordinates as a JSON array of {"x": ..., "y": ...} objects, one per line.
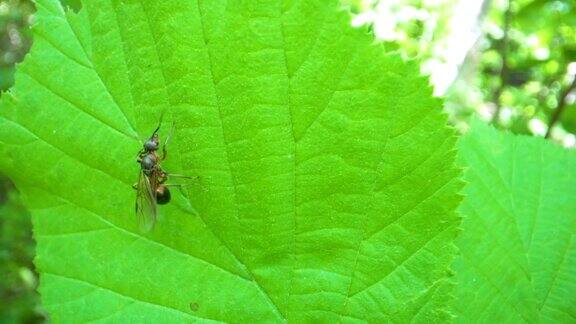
[
  {"x": 402, "y": 264},
  {"x": 332, "y": 93},
  {"x": 258, "y": 286},
  {"x": 71, "y": 102},
  {"x": 135, "y": 299}
]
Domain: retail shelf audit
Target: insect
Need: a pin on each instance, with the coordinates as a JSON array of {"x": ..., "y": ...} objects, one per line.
[{"x": 151, "y": 188}]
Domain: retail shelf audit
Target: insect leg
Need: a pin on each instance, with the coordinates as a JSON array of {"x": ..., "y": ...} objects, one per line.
[
  {"x": 180, "y": 188},
  {"x": 178, "y": 185},
  {"x": 164, "y": 152},
  {"x": 193, "y": 181},
  {"x": 175, "y": 175}
]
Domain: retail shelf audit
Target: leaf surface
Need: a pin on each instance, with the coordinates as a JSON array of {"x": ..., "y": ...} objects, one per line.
[
  {"x": 518, "y": 255},
  {"x": 327, "y": 180}
]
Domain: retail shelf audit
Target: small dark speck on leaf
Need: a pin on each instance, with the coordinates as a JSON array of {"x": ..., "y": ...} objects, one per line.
[{"x": 194, "y": 307}]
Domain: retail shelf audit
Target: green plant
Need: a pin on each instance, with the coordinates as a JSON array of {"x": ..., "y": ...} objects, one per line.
[
  {"x": 306, "y": 179},
  {"x": 15, "y": 38},
  {"x": 19, "y": 302},
  {"x": 526, "y": 66},
  {"x": 328, "y": 186},
  {"x": 520, "y": 72},
  {"x": 517, "y": 251}
]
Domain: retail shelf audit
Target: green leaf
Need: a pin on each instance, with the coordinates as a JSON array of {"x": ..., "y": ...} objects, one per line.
[
  {"x": 543, "y": 16},
  {"x": 327, "y": 180},
  {"x": 6, "y": 78},
  {"x": 518, "y": 254}
]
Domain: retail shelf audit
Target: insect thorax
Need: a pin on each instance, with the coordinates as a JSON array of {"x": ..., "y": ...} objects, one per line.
[{"x": 148, "y": 162}]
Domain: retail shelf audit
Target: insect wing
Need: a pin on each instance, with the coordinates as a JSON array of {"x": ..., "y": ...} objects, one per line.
[{"x": 146, "y": 202}]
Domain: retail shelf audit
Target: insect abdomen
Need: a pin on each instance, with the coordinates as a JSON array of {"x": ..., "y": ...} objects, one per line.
[{"x": 162, "y": 195}]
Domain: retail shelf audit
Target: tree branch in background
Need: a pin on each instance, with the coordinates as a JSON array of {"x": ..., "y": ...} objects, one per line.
[
  {"x": 504, "y": 70},
  {"x": 561, "y": 107}
]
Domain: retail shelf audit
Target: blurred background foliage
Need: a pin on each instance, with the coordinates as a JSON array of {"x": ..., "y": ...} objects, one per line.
[
  {"x": 509, "y": 62},
  {"x": 15, "y": 36},
  {"x": 19, "y": 302}
]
